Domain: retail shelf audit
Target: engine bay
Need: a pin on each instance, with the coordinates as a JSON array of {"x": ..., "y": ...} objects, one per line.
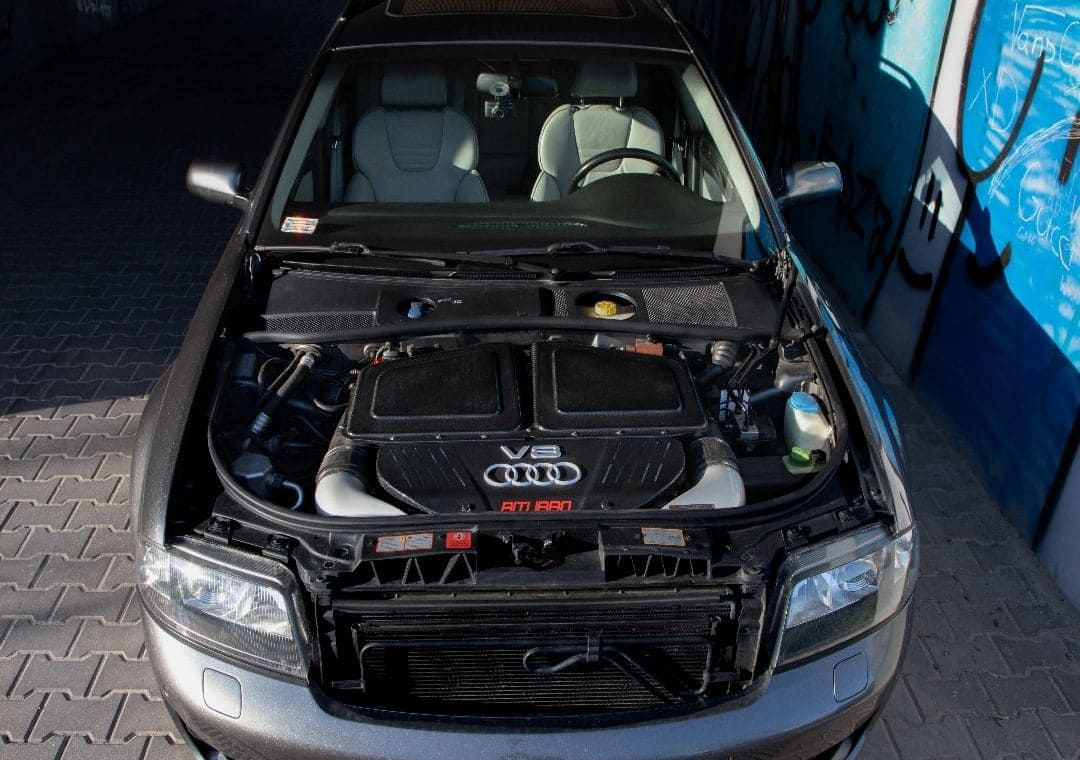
[{"x": 532, "y": 421}]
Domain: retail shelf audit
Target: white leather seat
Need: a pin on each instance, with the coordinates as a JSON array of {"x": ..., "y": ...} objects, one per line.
[
  {"x": 573, "y": 134},
  {"x": 414, "y": 148}
]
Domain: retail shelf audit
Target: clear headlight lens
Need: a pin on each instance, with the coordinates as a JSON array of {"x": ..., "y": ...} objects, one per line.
[
  {"x": 842, "y": 588},
  {"x": 246, "y": 618}
]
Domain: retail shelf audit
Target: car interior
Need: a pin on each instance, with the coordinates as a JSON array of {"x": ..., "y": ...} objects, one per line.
[{"x": 464, "y": 131}]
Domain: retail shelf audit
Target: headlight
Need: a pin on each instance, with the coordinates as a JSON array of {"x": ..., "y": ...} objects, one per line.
[
  {"x": 248, "y": 617},
  {"x": 843, "y": 588}
]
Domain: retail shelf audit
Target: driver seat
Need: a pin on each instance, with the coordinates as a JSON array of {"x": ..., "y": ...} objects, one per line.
[{"x": 574, "y": 133}]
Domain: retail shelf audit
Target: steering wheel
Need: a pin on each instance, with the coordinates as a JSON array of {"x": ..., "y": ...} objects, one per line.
[{"x": 666, "y": 167}]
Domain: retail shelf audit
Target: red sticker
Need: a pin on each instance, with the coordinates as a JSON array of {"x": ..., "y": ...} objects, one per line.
[{"x": 459, "y": 540}]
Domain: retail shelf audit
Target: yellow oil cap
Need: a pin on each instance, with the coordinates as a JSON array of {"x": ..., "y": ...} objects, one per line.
[{"x": 606, "y": 308}]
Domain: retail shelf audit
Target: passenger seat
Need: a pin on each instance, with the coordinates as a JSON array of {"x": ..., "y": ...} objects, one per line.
[{"x": 415, "y": 149}]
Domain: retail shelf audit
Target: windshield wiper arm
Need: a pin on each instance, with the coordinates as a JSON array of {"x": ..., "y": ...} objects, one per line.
[{"x": 448, "y": 262}]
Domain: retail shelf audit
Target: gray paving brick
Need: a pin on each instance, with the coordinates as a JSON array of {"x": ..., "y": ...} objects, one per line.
[
  {"x": 18, "y": 489},
  {"x": 55, "y": 428},
  {"x": 60, "y": 570},
  {"x": 931, "y": 741},
  {"x": 1035, "y": 618},
  {"x": 120, "y": 674},
  {"x": 125, "y": 406},
  {"x": 77, "y": 602},
  {"x": 938, "y": 699},
  {"x": 104, "y": 444},
  {"x": 85, "y": 514},
  {"x": 30, "y": 515},
  {"x": 45, "y": 540},
  {"x": 106, "y": 541},
  {"x": 950, "y": 555},
  {"x": 140, "y": 716},
  {"x": 107, "y": 426},
  {"x": 61, "y": 466},
  {"x": 32, "y": 603},
  {"x": 89, "y": 408},
  {"x": 1064, "y": 731},
  {"x": 27, "y": 636},
  {"x": 113, "y": 464},
  {"x": 24, "y": 469},
  {"x": 978, "y": 619},
  {"x": 43, "y": 673},
  {"x": 17, "y": 716},
  {"x": 1021, "y": 735},
  {"x": 1013, "y": 694},
  {"x": 62, "y": 715},
  {"x": 50, "y": 749},
  {"x": 1068, "y": 683},
  {"x": 10, "y": 670},
  {"x": 119, "y": 638},
  {"x": 80, "y": 748},
  {"x": 20, "y": 572},
  {"x": 121, "y": 572},
  {"x": 975, "y": 655},
  {"x": 77, "y": 489}
]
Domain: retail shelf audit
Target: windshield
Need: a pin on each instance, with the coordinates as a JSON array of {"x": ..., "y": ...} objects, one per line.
[{"x": 495, "y": 149}]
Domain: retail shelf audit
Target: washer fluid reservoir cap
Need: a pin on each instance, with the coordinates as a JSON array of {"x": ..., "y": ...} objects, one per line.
[{"x": 804, "y": 402}]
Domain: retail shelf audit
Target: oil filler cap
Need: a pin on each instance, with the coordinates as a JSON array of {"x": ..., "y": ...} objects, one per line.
[{"x": 606, "y": 308}]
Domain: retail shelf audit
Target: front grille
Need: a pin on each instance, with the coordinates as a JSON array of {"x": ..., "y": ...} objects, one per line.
[
  {"x": 577, "y": 654},
  {"x": 493, "y": 678}
]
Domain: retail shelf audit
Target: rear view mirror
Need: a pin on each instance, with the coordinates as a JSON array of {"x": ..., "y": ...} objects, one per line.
[
  {"x": 808, "y": 181},
  {"x": 218, "y": 182}
]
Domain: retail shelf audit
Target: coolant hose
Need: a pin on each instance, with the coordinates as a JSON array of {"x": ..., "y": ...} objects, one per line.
[
  {"x": 307, "y": 358},
  {"x": 717, "y": 483},
  {"x": 342, "y": 488}
]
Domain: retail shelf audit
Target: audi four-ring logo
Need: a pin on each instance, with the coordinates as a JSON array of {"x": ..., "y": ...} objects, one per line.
[{"x": 538, "y": 474}]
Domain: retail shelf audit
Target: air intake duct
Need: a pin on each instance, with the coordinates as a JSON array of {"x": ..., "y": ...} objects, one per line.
[
  {"x": 342, "y": 486},
  {"x": 717, "y": 483}
]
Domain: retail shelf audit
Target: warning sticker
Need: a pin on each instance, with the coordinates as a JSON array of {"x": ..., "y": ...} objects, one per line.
[
  {"x": 663, "y": 537},
  {"x": 409, "y": 542},
  {"x": 299, "y": 225},
  {"x": 459, "y": 539}
]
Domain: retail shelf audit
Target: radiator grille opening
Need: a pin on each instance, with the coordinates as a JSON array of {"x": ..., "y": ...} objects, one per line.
[{"x": 513, "y": 658}]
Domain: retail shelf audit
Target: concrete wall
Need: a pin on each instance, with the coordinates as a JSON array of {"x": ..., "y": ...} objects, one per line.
[
  {"x": 32, "y": 31},
  {"x": 957, "y": 239}
]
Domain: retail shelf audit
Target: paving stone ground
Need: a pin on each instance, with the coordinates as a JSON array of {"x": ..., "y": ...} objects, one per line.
[{"x": 102, "y": 262}]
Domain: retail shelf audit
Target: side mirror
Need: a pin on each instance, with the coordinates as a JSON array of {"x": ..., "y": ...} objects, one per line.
[
  {"x": 808, "y": 181},
  {"x": 218, "y": 182}
]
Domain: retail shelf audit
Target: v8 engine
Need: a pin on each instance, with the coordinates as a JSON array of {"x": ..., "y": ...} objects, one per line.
[{"x": 550, "y": 427}]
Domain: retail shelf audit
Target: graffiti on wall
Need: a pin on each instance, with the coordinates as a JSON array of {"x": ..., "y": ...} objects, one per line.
[{"x": 957, "y": 240}]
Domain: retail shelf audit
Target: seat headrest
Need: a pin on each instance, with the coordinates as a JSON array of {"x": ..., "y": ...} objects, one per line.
[
  {"x": 605, "y": 79},
  {"x": 414, "y": 87}
]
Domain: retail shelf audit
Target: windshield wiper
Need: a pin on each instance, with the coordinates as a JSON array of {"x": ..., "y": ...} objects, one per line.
[{"x": 655, "y": 253}]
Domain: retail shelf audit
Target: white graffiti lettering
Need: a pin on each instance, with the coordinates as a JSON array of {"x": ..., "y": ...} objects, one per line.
[{"x": 102, "y": 9}]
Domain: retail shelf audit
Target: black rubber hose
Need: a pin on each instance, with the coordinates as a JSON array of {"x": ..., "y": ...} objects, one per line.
[{"x": 304, "y": 365}]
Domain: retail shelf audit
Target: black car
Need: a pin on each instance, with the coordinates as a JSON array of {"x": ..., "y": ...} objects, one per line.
[{"x": 512, "y": 424}]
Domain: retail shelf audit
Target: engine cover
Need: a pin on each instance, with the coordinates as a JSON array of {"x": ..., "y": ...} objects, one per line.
[
  {"x": 475, "y": 391},
  {"x": 551, "y": 475}
]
